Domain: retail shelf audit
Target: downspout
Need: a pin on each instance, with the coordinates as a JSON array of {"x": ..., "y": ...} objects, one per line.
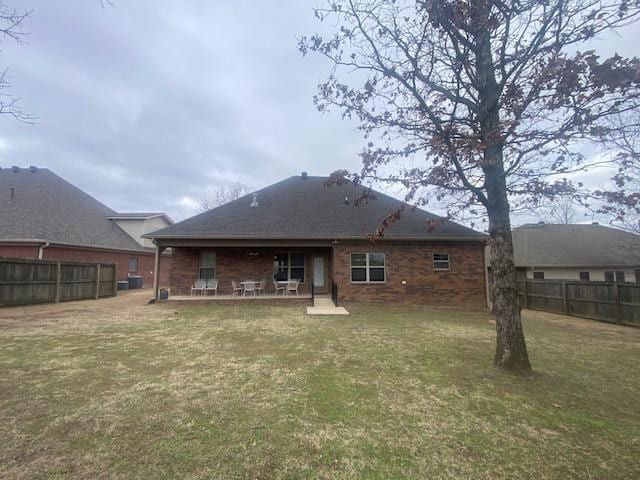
[{"x": 41, "y": 250}]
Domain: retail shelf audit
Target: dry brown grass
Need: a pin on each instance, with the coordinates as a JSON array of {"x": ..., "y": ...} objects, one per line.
[{"x": 118, "y": 389}]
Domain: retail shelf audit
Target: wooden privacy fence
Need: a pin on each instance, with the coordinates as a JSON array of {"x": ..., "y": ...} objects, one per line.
[
  {"x": 24, "y": 282},
  {"x": 609, "y": 302}
]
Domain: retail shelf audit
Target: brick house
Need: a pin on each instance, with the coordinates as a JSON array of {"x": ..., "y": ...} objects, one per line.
[
  {"x": 303, "y": 228},
  {"x": 42, "y": 216},
  {"x": 584, "y": 252}
]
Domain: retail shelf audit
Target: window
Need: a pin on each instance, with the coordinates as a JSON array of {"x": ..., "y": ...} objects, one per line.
[
  {"x": 133, "y": 264},
  {"x": 441, "y": 261},
  {"x": 584, "y": 276},
  {"x": 608, "y": 276},
  {"x": 288, "y": 266},
  {"x": 620, "y": 276},
  {"x": 207, "y": 268},
  {"x": 538, "y": 275},
  {"x": 368, "y": 267}
]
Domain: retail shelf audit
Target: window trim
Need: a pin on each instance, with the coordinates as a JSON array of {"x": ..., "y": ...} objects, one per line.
[
  {"x": 540, "y": 272},
  {"x": 588, "y": 275},
  {"x": 433, "y": 262},
  {"x": 289, "y": 266},
  {"x": 200, "y": 267},
  {"x": 367, "y": 268}
]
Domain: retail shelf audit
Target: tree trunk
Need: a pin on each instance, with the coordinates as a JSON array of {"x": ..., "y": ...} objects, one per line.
[{"x": 511, "y": 349}]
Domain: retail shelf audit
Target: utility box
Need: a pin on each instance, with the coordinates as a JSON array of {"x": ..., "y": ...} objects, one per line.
[{"x": 135, "y": 282}]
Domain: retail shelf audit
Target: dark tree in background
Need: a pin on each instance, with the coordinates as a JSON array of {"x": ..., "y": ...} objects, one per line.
[
  {"x": 11, "y": 27},
  {"x": 478, "y": 104},
  {"x": 222, "y": 194},
  {"x": 621, "y": 202},
  {"x": 561, "y": 210},
  {"x": 12, "y": 22}
]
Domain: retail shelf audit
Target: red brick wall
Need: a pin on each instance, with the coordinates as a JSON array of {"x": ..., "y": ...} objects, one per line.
[
  {"x": 121, "y": 259},
  {"x": 232, "y": 264},
  {"x": 413, "y": 262},
  {"x": 18, "y": 251},
  {"x": 464, "y": 284},
  {"x": 182, "y": 274}
]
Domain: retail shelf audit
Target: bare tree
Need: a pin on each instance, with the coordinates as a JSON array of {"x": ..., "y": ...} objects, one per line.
[
  {"x": 621, "y": 201},
  {"x": 12, "y": 27},
  {"x": 478, "y": 104},
  {"x": 560, "y": 211},
  {"x": 12, "y": 24},
  {"x": 220, "y": 195}
]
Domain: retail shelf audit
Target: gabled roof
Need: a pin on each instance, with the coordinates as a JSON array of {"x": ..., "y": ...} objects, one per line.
[
  {"x": 306, "y": 208},
  {"x": 37, "y": 204},
  {"x": 548, "y": 245}
]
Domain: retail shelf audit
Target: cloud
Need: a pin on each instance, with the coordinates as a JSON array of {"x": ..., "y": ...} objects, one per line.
[{"x": 148, "y": 104}]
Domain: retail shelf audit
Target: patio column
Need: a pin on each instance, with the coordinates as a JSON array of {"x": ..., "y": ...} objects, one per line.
[{"x": 156, "y": 273}]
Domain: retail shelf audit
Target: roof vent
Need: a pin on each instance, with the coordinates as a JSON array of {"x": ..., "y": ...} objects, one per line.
[
  {"x": 15, "y": 169},
  {"x": 254, "y": 202},
  {"x": 12, "y": 194},
  {"x": 346, "y": 200},
  {"x": 304, "y": 175},
  {"x": 541, "y": 222},
  {"x": 33, "y": 168}
]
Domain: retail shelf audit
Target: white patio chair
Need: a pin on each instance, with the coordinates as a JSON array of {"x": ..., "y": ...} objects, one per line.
[
  {"x": 249, "y": 288},
  {"x": 260, "y": 287},
  {"x": 212, "y": 285},
  {"x": 292, "y": 286},
  {"x": 199, "y": 286},
  {"x": 278, "y": 287},
  {"x": 237, "y": 288}
]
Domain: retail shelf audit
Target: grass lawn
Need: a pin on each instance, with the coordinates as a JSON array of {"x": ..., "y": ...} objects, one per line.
[{"x": 256, "y": 392}]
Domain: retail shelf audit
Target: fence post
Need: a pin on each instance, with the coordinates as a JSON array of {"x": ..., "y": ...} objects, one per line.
[
  {"x": 97, "y": 280},
  {"x": 565, "y": 298},
  {"x": 114, "y": 269},
  {"x": 616, "y": 303},
  {"x": 525, "y": 299},
  {"x": 58, "y": 276}
]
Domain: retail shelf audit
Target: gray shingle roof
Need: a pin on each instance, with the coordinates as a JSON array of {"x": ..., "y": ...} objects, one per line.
[
  {"x": 47, "y": 207},
  {"x": 550, "y": 245},
  {"x": 305, "y": 208}
]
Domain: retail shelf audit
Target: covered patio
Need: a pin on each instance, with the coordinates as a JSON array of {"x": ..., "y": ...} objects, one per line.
[
  {"x": 239, "y": 298},
  {"x": 232, "y": 272}
]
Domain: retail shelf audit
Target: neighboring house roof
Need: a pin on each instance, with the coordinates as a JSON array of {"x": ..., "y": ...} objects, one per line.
[
  {"x": 305, "y": 207},
  {"x": 37, "y": 204},
  {"x": 140, "y": 216},
  {"x": 548, "y": 245}
]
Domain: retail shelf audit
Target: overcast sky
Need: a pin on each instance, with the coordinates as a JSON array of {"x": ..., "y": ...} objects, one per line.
[{"x": 148, "y": 104}]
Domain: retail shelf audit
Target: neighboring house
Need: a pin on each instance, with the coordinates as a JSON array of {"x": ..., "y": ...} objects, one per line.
[
  {"x": 138, "y": 224},
  {"x": 44, "y": 216},
  {"x": 576, "y": 252},
  {"x": 302, "y": 228}
]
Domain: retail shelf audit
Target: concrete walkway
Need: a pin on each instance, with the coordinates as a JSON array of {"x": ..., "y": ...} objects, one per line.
[{"x": 325, "y": 306}]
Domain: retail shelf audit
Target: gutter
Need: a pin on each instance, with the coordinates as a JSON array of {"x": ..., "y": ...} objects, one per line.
[
  {"x": 383, "y": 239},
  {"x": 47, "y": 243}
]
